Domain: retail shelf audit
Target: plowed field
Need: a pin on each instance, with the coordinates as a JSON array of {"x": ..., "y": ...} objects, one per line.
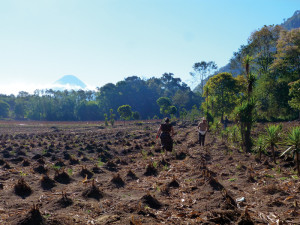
[{"x": 86, "y": 173}]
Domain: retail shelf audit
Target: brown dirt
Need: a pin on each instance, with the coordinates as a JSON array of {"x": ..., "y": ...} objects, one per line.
[{"x": 84, "y": 173}]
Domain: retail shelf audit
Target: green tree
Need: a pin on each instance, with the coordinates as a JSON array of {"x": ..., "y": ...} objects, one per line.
[
  {"x": 88, "y": 111},
  {"x": 287, "y": 58},
  {"x": 194, "y": 113},
  {"x": 202, "y": 70},
  {"x": 275, "y": 54},
  {"x": 106, "y": 119},
  {"x": 112, "y": 117},
  {"x": 181, "y": 98},
  {"x": 136, "y": 115},
  {"x": 261, "y": 47},
  {"x": 295, "y": 95},
  {"x": 125, "y": 112},
  {"x": 183, "y": 113},
  {"x": 224, "y": 89},
  {"x": 4, "y": 109},
  {"x": 164, "y": 104},
  {"x": 173, "y": 110},
  {"x": 20, "y": 110}
]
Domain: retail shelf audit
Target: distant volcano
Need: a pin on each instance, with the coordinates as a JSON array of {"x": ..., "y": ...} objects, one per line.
[{"x": 69, "y": 82}]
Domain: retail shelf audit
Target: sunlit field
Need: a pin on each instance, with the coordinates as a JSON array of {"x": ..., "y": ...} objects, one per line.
[{"x": 87, "y": 173}]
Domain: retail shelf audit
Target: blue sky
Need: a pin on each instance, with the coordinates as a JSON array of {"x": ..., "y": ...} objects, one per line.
[{"x": 102, "y": 41}]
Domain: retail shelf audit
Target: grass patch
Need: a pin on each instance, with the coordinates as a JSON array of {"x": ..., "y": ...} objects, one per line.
[{"x": 269, "y": 175}]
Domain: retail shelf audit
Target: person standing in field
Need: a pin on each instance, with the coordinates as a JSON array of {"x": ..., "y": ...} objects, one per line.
[
  {"x": 202, "y": 129},
  {"x": 166, "y": 132}
]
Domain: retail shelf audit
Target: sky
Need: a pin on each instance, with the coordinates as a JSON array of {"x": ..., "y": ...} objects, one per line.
[{"x": 105, "y": 41}]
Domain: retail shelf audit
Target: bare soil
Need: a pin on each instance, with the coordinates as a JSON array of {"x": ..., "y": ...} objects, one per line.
[{"x": 85, "y": 173}]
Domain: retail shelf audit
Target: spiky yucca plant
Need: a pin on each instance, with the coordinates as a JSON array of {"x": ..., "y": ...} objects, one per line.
[
  {"x": 293, "y": 139},
  {"x": 244, "y": 114},
  {"x": 273, "y": 137},
  {"x": 234, "y": 134},
  {"x": 260, "y": 146}
]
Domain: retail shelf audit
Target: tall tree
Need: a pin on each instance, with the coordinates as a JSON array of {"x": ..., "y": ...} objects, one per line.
[
  {"x": 261, "y": 47},
  {"x": 295, "y": 96},
  {"x": 164, "y": 104},
  {"x": 224, "y": 89},
  {"x": 125, "y": 112},
  {"x": 4, "y": 109},
  {"x": 20, "y": 109},
  {"x": 202, "y": 70},
  {"x": 287, "y": 61}
]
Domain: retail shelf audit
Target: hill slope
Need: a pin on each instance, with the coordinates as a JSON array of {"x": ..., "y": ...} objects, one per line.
[{"x": 289, "y": 24}]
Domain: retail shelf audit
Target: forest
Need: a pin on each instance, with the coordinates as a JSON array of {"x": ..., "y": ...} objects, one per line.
[{"x": 273, "y": 54}]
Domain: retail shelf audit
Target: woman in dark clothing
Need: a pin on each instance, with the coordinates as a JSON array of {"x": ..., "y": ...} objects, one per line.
[{"x": 165, "y": 132}]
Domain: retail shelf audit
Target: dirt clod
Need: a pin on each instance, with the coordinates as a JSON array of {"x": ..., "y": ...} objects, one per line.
[
  {"x": 151, "y": 201},
  {"x": 93, "y": 192},
  {"x": 47, "y": 183},
  {"x": 118, "y": 181},
  {"x": 22, "y": 188},
  {"x": 64, "y": 201},
  {"x": 33, "y": 217},
  {"x": 150, "y": 170},
  {"x": 62, "y": 178}
]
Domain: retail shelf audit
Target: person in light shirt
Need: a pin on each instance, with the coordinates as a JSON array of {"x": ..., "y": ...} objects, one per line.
[{"x": 202, "y": 129}]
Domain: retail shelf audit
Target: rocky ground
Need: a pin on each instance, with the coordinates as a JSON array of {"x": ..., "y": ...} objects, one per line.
[{"x": 85, "y": 173}]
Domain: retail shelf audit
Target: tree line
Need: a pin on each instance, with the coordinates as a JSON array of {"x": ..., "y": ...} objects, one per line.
[
  {"x": 274, "y": 56},
  {"x": 144, "y": 98}
]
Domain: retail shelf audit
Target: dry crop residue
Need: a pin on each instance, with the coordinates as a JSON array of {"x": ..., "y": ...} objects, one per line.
[{"x": 84, "y": 173}]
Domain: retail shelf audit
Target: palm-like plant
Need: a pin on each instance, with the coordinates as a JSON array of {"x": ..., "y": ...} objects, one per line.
[
  {"x": 260, "y": 146},
  {"x": 244, "y": 114},
  {"x": 273, "y": 137},
  {"x": 233, "y": 134},
  {"x": 293, "y": 139}
]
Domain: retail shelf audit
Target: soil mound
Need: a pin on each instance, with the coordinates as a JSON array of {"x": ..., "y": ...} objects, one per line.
[
  {"x": 33, "y": 217},
  {"x": 151, "y": 201},
  {"x": 93, "y": 192},
  {"x": 22, "y": 188}
]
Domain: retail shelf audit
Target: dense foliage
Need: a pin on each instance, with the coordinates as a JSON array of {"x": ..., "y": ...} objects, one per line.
[
  {"x": 140, "y": 95},
  {"x": 275, "y": 54},
  {"x": 222, "y": 92}
]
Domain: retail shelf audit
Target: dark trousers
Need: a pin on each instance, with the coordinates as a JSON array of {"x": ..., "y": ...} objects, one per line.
[{"x": 201, "y": 139}]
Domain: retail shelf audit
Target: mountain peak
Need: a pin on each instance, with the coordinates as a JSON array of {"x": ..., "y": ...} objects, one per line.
[{"x": 70, "y": 82}]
